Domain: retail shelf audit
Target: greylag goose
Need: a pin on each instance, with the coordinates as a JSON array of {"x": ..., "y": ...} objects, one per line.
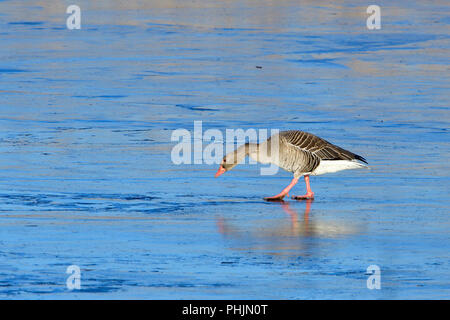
[{"x": 299, "y": 152}]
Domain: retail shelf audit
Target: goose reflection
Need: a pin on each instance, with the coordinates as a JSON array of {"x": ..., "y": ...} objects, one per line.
[{"x": 290, "y": 233}]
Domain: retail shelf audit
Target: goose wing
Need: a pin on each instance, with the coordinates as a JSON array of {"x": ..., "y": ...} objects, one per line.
[{"x": 318, "y": 146}]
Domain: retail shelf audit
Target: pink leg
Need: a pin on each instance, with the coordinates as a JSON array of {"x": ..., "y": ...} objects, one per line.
[
  {"x": 309, "y": 194},
  {"x": 285, "y": 191}
]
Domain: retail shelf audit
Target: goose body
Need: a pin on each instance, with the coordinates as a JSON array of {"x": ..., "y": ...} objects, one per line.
[
  {"x": 303, "y": 153},
  {"x": 295, "y": 151}
]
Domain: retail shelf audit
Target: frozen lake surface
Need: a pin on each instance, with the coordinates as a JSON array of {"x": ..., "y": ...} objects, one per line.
[{"x": 86, "y": 177}]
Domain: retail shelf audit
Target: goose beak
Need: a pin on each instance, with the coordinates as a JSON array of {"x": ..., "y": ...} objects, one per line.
[{"x": 220, "y": 171}]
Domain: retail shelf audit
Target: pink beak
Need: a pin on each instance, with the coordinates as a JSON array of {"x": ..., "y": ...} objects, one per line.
[{"x": 220, "y": 171}]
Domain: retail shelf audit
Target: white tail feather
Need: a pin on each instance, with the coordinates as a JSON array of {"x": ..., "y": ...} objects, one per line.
[{"x": 329, "y": 166}]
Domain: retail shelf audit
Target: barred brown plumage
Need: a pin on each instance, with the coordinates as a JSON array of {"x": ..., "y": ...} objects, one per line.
[{"x": 320, "y": 147}]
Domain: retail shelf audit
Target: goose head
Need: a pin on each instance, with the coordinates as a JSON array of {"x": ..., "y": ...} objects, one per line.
[
  {"x": 228, "y": 163},
  {"x": 233, "y": 158}
]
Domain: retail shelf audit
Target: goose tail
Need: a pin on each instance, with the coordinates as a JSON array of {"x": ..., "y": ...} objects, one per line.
[
  {"x": 358, "y": 157},
  {"x": 330, "y": 166}
]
